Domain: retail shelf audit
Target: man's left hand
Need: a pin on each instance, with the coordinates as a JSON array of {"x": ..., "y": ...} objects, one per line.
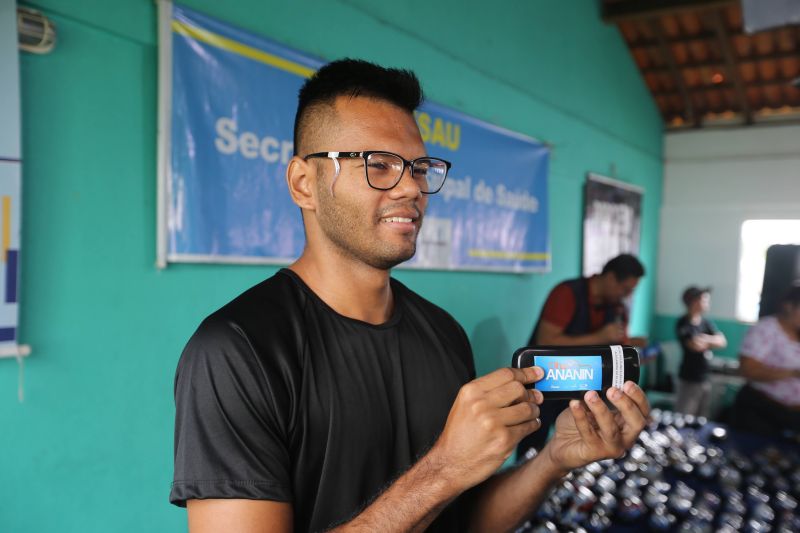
[{"x": 589, "y": 431}]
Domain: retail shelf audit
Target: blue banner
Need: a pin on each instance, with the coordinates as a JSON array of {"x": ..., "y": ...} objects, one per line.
[
  {"x": 234, "y": 97},
  {"x": 10, "y": 182}
]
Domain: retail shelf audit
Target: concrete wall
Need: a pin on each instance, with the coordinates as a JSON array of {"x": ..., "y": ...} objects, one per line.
[{"x": 714, "y": 180}]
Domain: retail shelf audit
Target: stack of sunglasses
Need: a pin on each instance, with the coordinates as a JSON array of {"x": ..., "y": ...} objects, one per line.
[{"x": 684, "y": 474}]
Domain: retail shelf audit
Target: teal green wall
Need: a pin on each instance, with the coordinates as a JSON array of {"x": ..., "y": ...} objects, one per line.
[{"x": 90, "y": 449}]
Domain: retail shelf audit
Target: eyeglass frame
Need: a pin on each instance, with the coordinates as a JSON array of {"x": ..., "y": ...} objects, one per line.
[{"x": 365, "y": 156}]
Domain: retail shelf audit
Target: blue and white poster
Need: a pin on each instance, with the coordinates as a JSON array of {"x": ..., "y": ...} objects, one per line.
[
  {"x": 10, "y": 182},
  {"x": 9, "y": 252},
  {"x": 231, "y": 112}
]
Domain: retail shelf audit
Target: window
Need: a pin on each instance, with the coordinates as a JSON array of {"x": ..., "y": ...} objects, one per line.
[{"x": 757, "y": 237}]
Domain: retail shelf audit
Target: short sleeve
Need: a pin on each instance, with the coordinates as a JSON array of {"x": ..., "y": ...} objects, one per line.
[
  {"x": 684, "y": 331},
  {"x": 758, "y": 342},
  {"x": 467, "y": 350},
  {"x": 230, "y": 440},
  {"x": 560, "y": 306},
  {"x": 710, "y": 327}
]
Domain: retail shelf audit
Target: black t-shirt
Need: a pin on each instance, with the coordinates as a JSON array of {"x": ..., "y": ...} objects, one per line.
[
  {"x": 278, "y": 397},
  {"x": 694, "y": 366}
]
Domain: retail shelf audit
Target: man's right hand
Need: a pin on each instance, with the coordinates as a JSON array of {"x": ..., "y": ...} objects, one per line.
[
  {"x": 611, "y": 333},
  {"x": 490, "y": 416}
]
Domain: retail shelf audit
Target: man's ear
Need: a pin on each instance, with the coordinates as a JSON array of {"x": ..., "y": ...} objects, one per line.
[{"x": 301, "y": 177}]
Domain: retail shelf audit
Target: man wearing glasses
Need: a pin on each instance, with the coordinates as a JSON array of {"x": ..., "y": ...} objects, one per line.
[{"x": 330, "y": 396}]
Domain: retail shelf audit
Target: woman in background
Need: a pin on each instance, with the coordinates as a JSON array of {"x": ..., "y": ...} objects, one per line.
[{"x": 770, "y": 361}]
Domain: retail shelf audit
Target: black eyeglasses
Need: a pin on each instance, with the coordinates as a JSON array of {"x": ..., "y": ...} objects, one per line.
[{"x": 383, "y": 170}]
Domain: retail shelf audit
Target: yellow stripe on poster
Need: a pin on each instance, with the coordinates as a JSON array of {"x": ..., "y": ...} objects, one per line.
[
  {"x": 6, "y": 226},
  {"x": 499, "y": 254},
  {"x": 236, "y": 47}
]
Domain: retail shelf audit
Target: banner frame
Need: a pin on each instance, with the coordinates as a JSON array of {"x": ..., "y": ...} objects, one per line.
[
  {"x": 164, "y": 172},
  {"x": 164, "y": 134}
]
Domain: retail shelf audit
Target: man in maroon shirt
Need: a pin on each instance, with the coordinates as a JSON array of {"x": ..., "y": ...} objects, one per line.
[{"x": 585, "y": 311}]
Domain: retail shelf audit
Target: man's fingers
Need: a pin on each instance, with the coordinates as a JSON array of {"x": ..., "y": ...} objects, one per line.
[
  {"x": 625, "y": 404},
  {"x": 520, "y": 431},
  {"x": 638, "y": 396},
  {"x": 519, "y": 413},
  {"x": 501, "y": 376},
  {"x": 634, "y": 418},
  {"x": 507, "y": 394},
  {"x": 537, "y": 397},
  {"x": 582, "y": 422},
  {"x": 609, "y": 430},
  {"x": 513, "y": 392}
]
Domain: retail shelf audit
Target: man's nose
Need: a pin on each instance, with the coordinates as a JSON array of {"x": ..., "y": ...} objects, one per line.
[{"x": 407, "y": 186}]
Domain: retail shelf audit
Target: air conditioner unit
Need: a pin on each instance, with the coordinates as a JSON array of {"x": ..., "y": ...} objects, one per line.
[{"x": 35, "y": 33}]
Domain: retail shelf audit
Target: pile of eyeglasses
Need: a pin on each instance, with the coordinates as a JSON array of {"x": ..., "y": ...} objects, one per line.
[{"x": 683, "y": 474}]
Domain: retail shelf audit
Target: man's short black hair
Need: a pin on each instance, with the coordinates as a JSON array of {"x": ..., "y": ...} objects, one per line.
[
  {"x": 624, "y": 266},
  {"x": 693, "y": 293},
  {"x": 353, "y": 77}
]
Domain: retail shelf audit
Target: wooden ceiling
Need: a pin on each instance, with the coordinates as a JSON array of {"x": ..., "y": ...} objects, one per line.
[{"x": 701, "y": 66}]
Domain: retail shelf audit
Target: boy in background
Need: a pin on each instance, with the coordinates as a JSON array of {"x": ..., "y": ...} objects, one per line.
[{"x": 697, "y": 336}]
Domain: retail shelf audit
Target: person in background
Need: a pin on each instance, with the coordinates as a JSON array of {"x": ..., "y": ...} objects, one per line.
[
  {"x": 697, "y": 336},
  {"x": 770, "y": 361},
  {"x": 585, "y": 311}
]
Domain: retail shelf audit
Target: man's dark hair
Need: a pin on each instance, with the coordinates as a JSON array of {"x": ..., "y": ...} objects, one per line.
[
  {"x": 352, "y": 77},
  {"x": 624, "y": 266}
]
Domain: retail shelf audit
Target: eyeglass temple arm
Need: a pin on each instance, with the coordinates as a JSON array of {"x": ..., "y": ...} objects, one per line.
[{"x": 337, "y": 167}]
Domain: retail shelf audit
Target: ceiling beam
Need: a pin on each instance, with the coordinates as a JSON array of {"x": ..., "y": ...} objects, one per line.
[
  {"x": 720, "y": 64},
  {"x": 712, "y": 121},
  {"x": 699, "y": 37},
  {"x": 777, "y": 82},
  {"x": 646, "y": 9},
  {"x": 730, "y": 64},
  {"x": 669, "y": 59}
]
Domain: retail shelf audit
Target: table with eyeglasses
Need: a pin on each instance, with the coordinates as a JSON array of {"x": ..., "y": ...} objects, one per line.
[{"x": 684, "y": 474}]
